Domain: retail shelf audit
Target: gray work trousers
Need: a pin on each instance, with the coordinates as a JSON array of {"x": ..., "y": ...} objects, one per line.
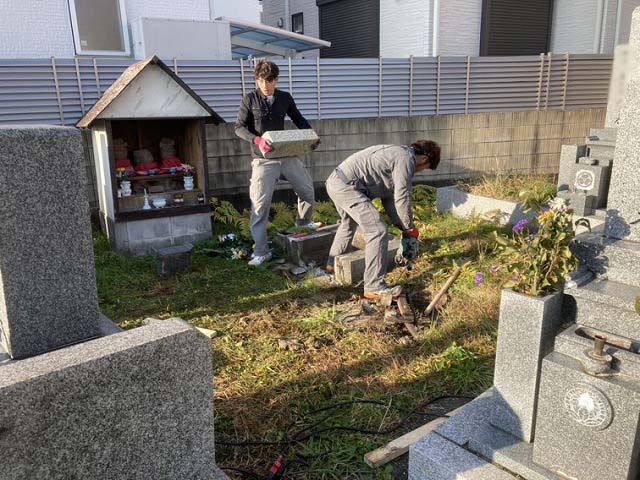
[
  {"x": 264, "y": 175},
  {"x": 357, "y": 210}
]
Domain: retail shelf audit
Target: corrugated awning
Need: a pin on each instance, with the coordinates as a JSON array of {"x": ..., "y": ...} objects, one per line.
[{"x": 255, "y": 39}]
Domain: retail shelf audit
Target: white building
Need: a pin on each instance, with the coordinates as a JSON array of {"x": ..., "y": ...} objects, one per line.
[
  {"x": 400, "y": 28},
  {"x": 66, "y": 28}
]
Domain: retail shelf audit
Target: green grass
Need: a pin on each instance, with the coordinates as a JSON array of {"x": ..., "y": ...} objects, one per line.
[
  {"x": 265, "y": 393},
  {"x": 509, "y": 187}
]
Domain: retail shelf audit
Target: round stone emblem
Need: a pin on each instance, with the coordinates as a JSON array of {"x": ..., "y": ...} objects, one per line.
[
  {"x": 585, "y": 180},
  {"x": 588, "y": 406}
]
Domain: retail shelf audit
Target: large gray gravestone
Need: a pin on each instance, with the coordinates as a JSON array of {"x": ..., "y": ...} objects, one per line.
[
  {"x": 48, "y": 293},
  {"x": 114, "y": 405},
  {"x": 623, "y": 208},
  {"x": 623, "y": 65}
]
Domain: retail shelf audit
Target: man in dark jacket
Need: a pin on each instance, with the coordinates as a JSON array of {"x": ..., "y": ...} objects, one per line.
[
  {"x": 385, "y": 172},
  {"x": 261, "y": 111}
]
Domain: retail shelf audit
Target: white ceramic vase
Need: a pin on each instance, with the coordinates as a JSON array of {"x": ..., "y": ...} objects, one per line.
[
  {"x": 125, "y": 186},
  {"x": 188, "y": 183}
]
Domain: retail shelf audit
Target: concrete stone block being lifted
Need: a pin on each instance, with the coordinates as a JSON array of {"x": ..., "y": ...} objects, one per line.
[
  {"x": 48, "y": 296},
  {"x": 136, "y": 404},
  {"x": 290, "y": 143},
  {"x": 349, "y": 268}
]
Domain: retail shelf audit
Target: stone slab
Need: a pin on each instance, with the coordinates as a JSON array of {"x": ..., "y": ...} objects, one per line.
[
  {"x": 312, "y": 247},
  {"x": 604, "y": 150},
  {"x": 587, "y": 426},
  {"x": 435, "y": 458},
  {"x": 507, "y": 451},
  {"x": 137, "y": 404},
  {"x": 461, "y": 427},
  {"x": 48, "y": 296},
  {"x": 623, "y": 214},
  {"x": 608, "y": 306},
  {"x": 464, "y": 205},
  {"x": 290, "y": 143},
  {"x": 349, "y": 268},
  {"x": 617, "y": 259},
  {"x": 526, "y": 330}
]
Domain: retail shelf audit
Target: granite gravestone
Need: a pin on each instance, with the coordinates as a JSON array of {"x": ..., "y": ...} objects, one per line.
[
  {"x": 124, "y": 405},
  {"x": 623, "y": 207},
  {"x": 48, "y": 293}
]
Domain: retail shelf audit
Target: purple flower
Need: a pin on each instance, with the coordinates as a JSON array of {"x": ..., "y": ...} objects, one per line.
[
  {"x": 479, "y": 277},
  {"x": 494, "y": 268},
  {"x": 520, "y": 225},
  {"x": 515, "y": 277}
]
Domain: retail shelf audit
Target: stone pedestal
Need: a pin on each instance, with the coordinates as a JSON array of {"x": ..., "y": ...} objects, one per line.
[
  {"x": 48, "y": 295},
  {"x": 172, "y": 260},
  {"x": 587, "y": 426},
  {"x": 525, "y": 335}
]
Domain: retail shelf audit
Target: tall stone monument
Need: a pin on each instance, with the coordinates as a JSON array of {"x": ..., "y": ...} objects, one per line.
[
  {"x": 48, "y": 293},
  {"x": 80, "y": 398}
]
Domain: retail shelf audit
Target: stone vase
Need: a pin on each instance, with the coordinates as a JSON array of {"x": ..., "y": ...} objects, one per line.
[
  {"x": 188, "y": 182},
  {"x": 526, "y": 334}
]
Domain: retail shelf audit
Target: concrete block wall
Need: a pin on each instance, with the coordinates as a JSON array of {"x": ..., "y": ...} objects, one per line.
[{"x": 473, "y": 145}]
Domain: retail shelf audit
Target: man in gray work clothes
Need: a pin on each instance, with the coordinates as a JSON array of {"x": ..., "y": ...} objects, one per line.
[
  {"x": 264, "y": 110},
  {"x": 385, "y": 172}
]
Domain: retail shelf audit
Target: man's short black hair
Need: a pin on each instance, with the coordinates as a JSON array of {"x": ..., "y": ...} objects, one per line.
[
  {"x": 430, "y": 149},
  {"x": 267, "y": 70}
]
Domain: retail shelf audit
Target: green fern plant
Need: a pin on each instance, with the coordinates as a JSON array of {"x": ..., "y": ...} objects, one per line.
[
  {"x": 326, "y": 213},
  {"x": 225, "y": 213},
  {"x": 283, "y": 217}
]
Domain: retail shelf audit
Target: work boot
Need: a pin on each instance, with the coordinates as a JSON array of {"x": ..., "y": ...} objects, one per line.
[
  {"x": 257, "y": 260},
  {"x": 378, "y": 294}
]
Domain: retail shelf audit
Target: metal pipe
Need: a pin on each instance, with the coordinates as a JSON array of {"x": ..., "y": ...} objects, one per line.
[
  {"x": 287, "y": 15},
  {"x": 598, "y": 345}
]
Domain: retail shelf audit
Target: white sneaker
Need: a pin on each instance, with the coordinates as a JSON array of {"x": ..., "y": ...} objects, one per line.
[
  {"x": 312, "y": 225},
  {"x": 257, "y": 260}
]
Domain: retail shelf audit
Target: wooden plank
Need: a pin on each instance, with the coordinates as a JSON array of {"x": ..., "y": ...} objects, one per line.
[{"x": 400, "y": 445}]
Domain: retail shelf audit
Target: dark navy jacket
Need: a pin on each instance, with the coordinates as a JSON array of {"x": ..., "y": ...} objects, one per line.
[{"x": 256, "y": 116}]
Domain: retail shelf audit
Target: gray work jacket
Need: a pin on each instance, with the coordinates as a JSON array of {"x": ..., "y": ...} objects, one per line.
[{"x": 385, "y": 172}]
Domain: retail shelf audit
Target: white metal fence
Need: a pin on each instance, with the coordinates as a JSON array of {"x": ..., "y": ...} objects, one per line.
[{"x": 59, "y": 91}]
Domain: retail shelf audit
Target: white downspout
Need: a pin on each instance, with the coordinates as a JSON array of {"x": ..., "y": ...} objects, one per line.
[
  {"x": 599, "y": 20},
  {"x": 435, "y": 28},
  {"x": 287, "y": 16},
  {"x": 618, "y": 20}
]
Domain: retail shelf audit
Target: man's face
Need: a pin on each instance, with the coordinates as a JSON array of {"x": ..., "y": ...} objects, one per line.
[{"x": 267, "y": 87}]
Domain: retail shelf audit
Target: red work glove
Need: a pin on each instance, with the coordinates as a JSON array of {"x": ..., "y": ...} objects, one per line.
[
  {"x": 262, "y": 144},
  {"x": 412, "y": 233}
]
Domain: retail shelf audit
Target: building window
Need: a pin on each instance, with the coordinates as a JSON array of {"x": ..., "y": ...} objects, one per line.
[
  {"x": 99, "y": 27},
  {"x": 297, "y": 23}
]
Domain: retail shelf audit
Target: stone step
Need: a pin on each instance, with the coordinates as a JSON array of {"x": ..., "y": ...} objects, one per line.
[
  {"x": 507, "y": 451},
  {"x": 619, "y": 260},
  {"x": 436, "y": 458},
  {"x": 606, "y": 134},
  {"x": 313, "y": 247},
  {"x": 607, "y": 305}
]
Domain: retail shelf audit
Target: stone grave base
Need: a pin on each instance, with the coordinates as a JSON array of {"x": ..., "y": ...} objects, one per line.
[
  {"x": 468, "y": 447},
  {"x": 349, "y": 268},
  {"x": 313, "y": 247},
  {"x": 133, "y": 404}
]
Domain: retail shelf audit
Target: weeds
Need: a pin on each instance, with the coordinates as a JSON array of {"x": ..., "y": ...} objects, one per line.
[
  {"x": 260, "y": 389},
  {"x": 534, "y": 189}
]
